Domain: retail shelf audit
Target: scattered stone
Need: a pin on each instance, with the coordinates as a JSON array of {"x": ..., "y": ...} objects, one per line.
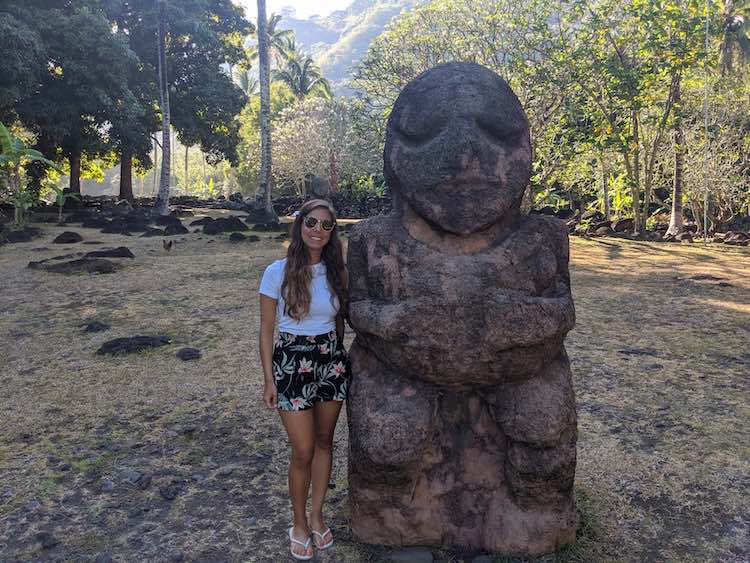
[
  {"x": 117, "y": 226},
  {"x": 186, "y": 354},
  {"x": 122, "y": 207},
  {"x": 169, "y": 491},
  {"x": 47, "y": 540},
  {"x": 225, "y": 471},
  {"x": 224, "y": 225},
  {"x": 132, "y": 344},
  {"x": 81, "y": 266},
  {"x": 152, "y": 232},
  {"x": 253, "y": 238},
  {"x": 201, "y": 222},
  {"x": 482, "y": 559},
  {"x": 172, "y": 230},
  {"x": 603, "y": 231},
  {"x": 182, "y": 213},
  {"x": 684, "y": 237},
  {"x": 32, "y": 505},
  {"x": 107, "y": 486},
  {"x": 93, "y": 242},
  {"x": 282, "y": 236},
  {"x": 724, "y": 284},
  {"x": 119, "y": 252},
  {"x": 68, "y": 237},
  {"x": 103, "y": 557},
  {"x": 94, "y": 223},
  {"x": 24, "y": 234},
  {"x": 166, "y": 220},
  {"x": 237, "y": 237},
  {"x": 96, "y": 326},
  {"x": 622, "y": 225},
  {"x": 267, "y": 227},
  {"x": 176, "y": 556},
  {"x": 260, "y": 216},
  {"x": 411, "y": 555}
]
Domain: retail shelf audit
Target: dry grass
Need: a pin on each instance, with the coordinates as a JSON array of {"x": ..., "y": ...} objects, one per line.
[{"x": 661, "y": 365}]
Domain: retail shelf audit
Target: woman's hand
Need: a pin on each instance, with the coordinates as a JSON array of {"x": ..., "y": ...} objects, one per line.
[{"x": 270, "y": 395}]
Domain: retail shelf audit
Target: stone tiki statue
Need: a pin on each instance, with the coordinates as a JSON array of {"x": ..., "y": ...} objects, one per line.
[{"x": 462, "y": 421}]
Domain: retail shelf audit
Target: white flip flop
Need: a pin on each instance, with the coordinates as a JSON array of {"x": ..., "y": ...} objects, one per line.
[
  {"x": 322, "y": 535},
  {"x": 305, "y": 545}
]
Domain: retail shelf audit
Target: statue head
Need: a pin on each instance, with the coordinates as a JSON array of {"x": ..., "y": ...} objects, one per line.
[{"x": 458, "y": 149}]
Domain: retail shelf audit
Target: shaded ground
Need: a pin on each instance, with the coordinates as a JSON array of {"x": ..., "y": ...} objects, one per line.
[{"x": 146, "y": 457}]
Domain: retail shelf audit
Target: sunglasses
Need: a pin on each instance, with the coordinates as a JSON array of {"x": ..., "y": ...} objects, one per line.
[{"x": 326, "y": 224}]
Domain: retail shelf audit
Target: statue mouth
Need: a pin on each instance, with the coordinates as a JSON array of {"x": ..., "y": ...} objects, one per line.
[{"x": 473, "y": 181}]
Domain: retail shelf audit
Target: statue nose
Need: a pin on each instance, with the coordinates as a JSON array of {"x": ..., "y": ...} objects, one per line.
[{"x": 464, "y": 146}]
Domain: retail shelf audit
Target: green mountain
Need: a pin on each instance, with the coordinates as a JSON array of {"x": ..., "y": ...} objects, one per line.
[{"x": 338, "y": 41}]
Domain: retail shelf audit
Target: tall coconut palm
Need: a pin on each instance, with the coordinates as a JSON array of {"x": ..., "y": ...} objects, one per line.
[
  {"x": 302, "y": 76},
  {"x": 162, "y": 199},
  {"x": 263, "y": 195}
]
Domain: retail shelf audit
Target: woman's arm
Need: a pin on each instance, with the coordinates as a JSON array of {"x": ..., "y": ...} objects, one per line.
[{"x": 267, "y": 326}]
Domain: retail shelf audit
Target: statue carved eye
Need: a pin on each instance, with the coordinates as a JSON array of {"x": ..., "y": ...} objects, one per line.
[
  {"x": 497, "y": 130},
  {"x": 418, "y": 135}
]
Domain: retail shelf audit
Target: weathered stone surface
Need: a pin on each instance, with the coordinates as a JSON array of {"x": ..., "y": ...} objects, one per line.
[
  {"x": 174, "y": 229},
  {"x": 462, "y": 421},
  {"x": 237, "y": 237},
  {"x": 96, "y": 326},
  {"x": 131, "y": 344},
  {"x": 166, "y": 220},
  {"x": 186, "y": 354},
  {"x": 81, "y": 266},
  {"x": 152, "y": 232},
  {"x": 68, "y": 237},
  {"x": 119, "y": 252},
  {"x": 23, "y": 234},
  {"x": 225, "y": 225},
  {"x": 622, "y": 225},
  {"x": 260, "y": 216},
  {"x": 200, "y": 222}
]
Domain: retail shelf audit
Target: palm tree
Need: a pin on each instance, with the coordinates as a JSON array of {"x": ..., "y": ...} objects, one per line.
[
  {"x": 735, "y": 33},
  {"x": 263, "y": 195},
  {"x": 302, "y": 76},
  {"x": 278, "y": 39},
  {"x": 162, "y": 199},
  {"x": 245, "y": 79}
]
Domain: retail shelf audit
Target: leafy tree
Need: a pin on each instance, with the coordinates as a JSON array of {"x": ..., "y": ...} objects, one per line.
[{"x": 81, "y": 86}]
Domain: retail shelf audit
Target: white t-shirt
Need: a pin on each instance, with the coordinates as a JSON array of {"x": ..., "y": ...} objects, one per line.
[{"x": 323, "y": 309}]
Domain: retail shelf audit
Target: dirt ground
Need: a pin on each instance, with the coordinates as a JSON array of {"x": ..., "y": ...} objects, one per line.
[{"x": 149, "y": 458}]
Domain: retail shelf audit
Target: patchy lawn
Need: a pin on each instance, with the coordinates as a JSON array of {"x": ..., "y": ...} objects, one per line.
[{"x": 146, "y": 457}]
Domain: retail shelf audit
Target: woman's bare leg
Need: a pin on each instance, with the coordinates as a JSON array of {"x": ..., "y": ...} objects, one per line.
[
  {"x": 326, "y": 415},
  {"x": 300, "y": 427}
]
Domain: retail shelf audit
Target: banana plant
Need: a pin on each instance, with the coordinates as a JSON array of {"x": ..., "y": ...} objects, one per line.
[
  {"x": 61, "y": 198},
  {"x": 14, "y": 154}
]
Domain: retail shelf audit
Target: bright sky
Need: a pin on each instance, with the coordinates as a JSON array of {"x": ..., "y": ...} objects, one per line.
[{"x": 303, "y": 8}]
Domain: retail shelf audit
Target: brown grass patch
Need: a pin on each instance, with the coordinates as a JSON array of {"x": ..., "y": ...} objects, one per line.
[{"x": 660, "y": 361}]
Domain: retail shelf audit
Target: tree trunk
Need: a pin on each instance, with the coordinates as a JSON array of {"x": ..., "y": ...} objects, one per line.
[
  {"x": 635, "y": 181},
  {"x": 187, "y": 178},
  {"x": 126, "y": 175},
  {"x": 605, "y": 190},
  {"x": 334, "y": 179},
  {"x": 156, "y": 166},
  {"x": 675, "y": 220},
  {"x": 162, "y": 199},
  {"x": 263, "y": 195},
  {"x": 75, "y": 171}
]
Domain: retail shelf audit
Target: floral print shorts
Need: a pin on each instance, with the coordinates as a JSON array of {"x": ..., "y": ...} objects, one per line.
[{"x": 309, "y": 369}]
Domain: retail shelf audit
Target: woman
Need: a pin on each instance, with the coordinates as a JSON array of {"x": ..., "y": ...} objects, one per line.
[{"x": 307, "y": 370}]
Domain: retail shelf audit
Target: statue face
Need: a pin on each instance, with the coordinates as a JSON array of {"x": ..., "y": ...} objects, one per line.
[{"x": 458, "y": 148}]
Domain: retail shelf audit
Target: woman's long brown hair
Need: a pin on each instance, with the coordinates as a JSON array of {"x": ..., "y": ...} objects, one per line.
[{"x": 297, "y": 275}]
